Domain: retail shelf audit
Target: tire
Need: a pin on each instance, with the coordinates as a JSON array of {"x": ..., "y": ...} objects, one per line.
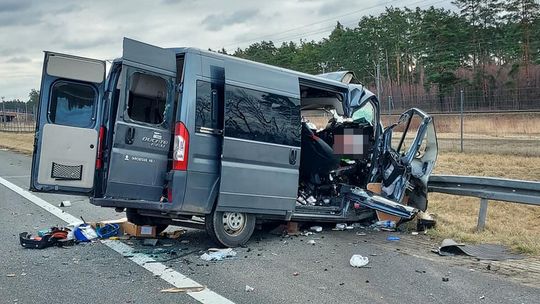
[
  {"x": 134, "y": 217},
  {"x": 229, "y": 229}
]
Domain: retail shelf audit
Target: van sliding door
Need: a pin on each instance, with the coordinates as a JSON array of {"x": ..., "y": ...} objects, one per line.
[{"x": 261, "y": 145}]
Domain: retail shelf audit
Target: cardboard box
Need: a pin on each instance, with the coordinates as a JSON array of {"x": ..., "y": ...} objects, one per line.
[
  {"x": 138, "y": 231},
  {"x": 128, "y": 228}
]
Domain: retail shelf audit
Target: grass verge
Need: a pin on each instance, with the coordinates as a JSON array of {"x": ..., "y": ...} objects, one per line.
[{"x": 20, "y": 142}]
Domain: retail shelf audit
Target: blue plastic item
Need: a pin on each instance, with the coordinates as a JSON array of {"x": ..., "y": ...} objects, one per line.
[
  {"x": 107, "y": 231},
  {"x": 393, "y": 238}
]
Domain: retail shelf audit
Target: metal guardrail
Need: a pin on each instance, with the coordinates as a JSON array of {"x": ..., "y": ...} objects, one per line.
[{"x": 487, "y": 188}]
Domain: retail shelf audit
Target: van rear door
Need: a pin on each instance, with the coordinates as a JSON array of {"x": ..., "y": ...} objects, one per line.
[
  {"x": 67, "y": 124},
  {"x": 144, "y": 122},
  {"x": 261, "y": 145}
]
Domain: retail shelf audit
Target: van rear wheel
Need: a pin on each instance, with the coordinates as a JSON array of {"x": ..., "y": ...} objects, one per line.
[{"x": 230, "y": 229}]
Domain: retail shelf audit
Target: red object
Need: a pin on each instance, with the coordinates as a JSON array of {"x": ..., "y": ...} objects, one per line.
[
  {"x": 169, "y": 194},
  {"x": 181, "y": 147},
  {"x": 99, "y": 159}
]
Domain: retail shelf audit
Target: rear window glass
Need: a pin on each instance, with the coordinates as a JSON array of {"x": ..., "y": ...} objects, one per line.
[
  {"x": 72, "y": 104},
  {"x": 147, "y": 98}
]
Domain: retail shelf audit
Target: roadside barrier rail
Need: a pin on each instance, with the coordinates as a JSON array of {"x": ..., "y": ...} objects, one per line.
[{"x": 487, "y": 188}]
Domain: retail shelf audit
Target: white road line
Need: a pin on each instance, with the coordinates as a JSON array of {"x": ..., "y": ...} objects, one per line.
[
  {"x": 158, "y": 269},
  {"x": 15, "y": 176}
]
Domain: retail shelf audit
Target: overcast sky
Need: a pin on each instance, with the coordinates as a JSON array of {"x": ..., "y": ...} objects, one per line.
[{"x": 95, "y": 28}]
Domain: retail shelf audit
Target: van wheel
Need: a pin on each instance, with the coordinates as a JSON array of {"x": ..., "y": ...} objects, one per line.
[{"x": 230, "y": 229}]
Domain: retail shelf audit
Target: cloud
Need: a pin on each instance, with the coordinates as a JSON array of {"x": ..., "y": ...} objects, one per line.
[
  {"x": 14, "y": 5},
  {"x": 19, "y": 59},
  {"x": 216, "y": 22},
  {"x": 85, "y": 43},
  {"x": 9, "y": 51},
  {"x": 172, "y": 1}
]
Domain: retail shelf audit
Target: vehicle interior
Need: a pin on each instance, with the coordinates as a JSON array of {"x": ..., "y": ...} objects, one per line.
[{"x": 336, "y": 149}]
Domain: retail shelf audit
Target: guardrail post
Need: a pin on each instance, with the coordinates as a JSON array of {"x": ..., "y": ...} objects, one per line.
[
  {"x": 482, "y": 213},
  {"x": 462, "y": 98}
]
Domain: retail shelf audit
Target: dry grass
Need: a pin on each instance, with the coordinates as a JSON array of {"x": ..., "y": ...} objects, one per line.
[
  {"x": 20, "y": 142},
  {"x": 511, "y": 224}
]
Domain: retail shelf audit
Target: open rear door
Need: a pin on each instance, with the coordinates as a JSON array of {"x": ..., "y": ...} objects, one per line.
[
  {"x": 68, "y": 120},
  {"x": 144, "y": 123},
  {"x": 261, "y": 145}
]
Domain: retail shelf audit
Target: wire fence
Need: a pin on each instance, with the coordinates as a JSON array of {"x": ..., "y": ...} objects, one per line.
[
  {"x": 465, "y": 100},
  {"x": 15, "y": 120}
]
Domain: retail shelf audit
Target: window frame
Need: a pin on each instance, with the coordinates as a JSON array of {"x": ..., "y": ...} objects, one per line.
[
  {"x": 215, "y": 106},
  {"x": 94, "y": 106},
  {"x": 127, "y": 87}
]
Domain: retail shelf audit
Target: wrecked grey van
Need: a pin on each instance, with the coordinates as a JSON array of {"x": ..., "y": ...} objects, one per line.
[{"x": 175, "y": 136}]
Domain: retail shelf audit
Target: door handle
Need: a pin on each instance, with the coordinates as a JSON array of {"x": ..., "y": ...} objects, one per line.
[
  {"x": 130, "y": 134},
  {"x": 292, "y": 156}
]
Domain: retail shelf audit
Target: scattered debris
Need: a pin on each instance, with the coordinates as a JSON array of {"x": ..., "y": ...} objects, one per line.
[
  {"x": 361, "y": 234},
  {"x": 425, "y": 221},
  {"x": 359, "y": 261},
  {"x": 385, "y": 225},
  {"x": 445, "y": 279},
  {"x": 184, "y": 289},
  {"x": 150, "y": 242},
  {"x": 292, "y": 228},
  {"x": 84, "y": 233},
  {"x": 65, "y": 204},
  {"x": 306, "y": 233},
  {"x": 482, "y": 297},
  {"x": 249, "y": 288},
  {"x": 349, "y": 227},
  {"x": 52, "y": 237},
  {"x": 311, "y": 242},
  {"x": 492, "y": 252},
  {"x": 218, "y": 254},
  {"x": 414, "y": 233},
  {"x": 173, "y": 234},
  {"x": 295, "y": 274},
  {"x": 392, "y": 238},
  {"x": 10, "y": 275},
  {"x": 316, "y": 228},
  {"x": 340, "y": 226}
]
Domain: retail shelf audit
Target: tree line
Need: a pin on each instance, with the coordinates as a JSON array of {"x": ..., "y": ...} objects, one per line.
[{"x": 490, "y": 47}]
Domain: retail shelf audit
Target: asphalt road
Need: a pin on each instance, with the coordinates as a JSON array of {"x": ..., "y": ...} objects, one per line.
[{"x": 280, "y": 269}]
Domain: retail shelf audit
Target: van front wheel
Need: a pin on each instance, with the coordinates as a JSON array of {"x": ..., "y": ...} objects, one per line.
[{"x": 230, "y": 229}]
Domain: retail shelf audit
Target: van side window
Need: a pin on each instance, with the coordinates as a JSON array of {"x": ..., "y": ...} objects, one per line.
[
  {"x": 147, "y": 98},
  {"x": 209, "y": 101},
  {"x": 260, "y": 116},
  {"x": 72, "y": 104}
]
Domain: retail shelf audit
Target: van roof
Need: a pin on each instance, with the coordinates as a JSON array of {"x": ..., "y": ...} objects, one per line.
[{"x": 304, "y": 76}]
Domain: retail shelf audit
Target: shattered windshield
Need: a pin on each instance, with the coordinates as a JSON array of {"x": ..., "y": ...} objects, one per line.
[{"x": 364, "y": 114}]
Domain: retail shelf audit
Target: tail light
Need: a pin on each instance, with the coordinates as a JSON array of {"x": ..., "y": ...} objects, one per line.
[
  {"x": 99, "y": 158},
  {"x": 181, "y": 147}
]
